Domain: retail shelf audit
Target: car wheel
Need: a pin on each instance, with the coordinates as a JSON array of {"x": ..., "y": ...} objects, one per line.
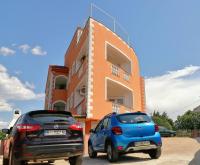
[
  {"x": 112, "y": 154},
  {"x": 91, "y": 152},
  {"x": 5, "y": 161},
  {"x": 155, "y": 154},
  {"x": 76, "y": 160},
  {"x": 13, "y": 160}
]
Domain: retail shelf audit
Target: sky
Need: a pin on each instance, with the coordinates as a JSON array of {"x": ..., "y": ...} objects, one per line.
[{"x": 164, "y": 34}]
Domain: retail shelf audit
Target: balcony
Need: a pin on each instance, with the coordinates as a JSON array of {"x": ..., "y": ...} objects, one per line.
[
  {"x": 82, "y": 69},
  {"x": 118, "y": 108},
  {"x": 119, "y": 97},
  {"x": 121, "y": 64},
  {"x": 80, "y": 109},
  {"x": 119, "y": 72},
  {"x": 59, "y": 106}
]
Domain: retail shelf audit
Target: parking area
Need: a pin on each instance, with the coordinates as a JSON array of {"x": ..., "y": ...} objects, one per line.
[{"x": 175, "y": 151}]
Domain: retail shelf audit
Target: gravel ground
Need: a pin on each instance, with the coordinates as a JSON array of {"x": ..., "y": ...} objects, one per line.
[{"x": 175, "y": 151}]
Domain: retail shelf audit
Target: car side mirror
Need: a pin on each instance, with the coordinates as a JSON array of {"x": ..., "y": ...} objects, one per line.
[
  {"x": 6, "y": 131},
  {"x": 92, "y": 131}
]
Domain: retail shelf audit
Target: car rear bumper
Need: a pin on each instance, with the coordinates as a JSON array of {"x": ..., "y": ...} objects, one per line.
[
  {"x": 127, "y": 144},
  {"x": 51, "y": 152},
  {"x": 141, "y": 148}
]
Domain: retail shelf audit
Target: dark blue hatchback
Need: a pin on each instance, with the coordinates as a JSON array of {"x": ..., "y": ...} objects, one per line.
[{"x": 118, "y": 134}]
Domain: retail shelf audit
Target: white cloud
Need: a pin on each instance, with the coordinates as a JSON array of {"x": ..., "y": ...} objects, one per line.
[
  {"x": 13, "y": 89},
  {"x": 5, "y": 51},
  {"x": 3, "y": 124},
  {"x": 29, "y": 85},
  {"x": 174, "y": 92},
  {"x": 24, "y": 48},
  {"x": 37, "y": 50},
  {"x": 5, "y": 106}
]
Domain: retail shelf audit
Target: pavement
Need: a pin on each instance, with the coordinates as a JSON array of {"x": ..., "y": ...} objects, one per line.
[{"x": 175, "y": 151}]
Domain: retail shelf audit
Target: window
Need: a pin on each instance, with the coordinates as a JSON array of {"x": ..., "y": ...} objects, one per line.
[
  {"x": 105, "y": 123},
  {"x": 79, "y": 33},
  {"x": 133, "y": 118},
  {"x": 60, "y": 82},
  {"x": 59, "y": 106},
  {"x": 49, "y": 118},
  {"x": 98, "y": 128},
  {"x": 115, "y": 70}
]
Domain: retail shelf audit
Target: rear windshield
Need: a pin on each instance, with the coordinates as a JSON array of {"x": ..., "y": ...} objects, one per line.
[
  {"x": 49, "y": 118},
  {"x": 133, "y": 118}
]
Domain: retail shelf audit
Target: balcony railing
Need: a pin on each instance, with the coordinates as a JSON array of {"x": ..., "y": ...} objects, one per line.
[
  {"x": 119, "y": 108},
  {"x": 82, "y": 68},
  {"x": 115, "y": 108},
  {"x": 117, "y": 71},
  {"x": 80, "y": 109}
]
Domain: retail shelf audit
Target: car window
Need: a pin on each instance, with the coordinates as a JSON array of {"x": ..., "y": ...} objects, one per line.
[
  {"x": 133, "y": 118},
  {"x": 19, "y": 120},
  {"x": 105, "y": 123},
  {"x": 161, "y": 129},
  {"x": 98, "y": 128},
  {"x": 52, "y": 117}
]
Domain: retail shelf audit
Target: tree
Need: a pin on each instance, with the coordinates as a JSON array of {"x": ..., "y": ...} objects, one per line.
[
  {"x": 2, "y": 135},
  {"x": 190, "y": 120},
  {"x": 163, "y": 120}
]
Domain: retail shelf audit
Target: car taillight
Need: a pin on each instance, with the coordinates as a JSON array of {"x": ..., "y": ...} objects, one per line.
[
  {"x": 117, "y": 130},
  {"x": 28, "y": 127},
  {"x": 76, "y": 127},
  {"x": 156, "y": 128}
]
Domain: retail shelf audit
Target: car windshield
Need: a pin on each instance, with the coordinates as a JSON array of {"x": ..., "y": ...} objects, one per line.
[
  {"x": 133, "y": 118},
  {"x": 48, "y": 118}
]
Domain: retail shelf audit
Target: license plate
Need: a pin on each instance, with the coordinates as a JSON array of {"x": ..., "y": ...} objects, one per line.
[
  {"x": 54, "y": 132},
  {"x": 142, "y": 143}
]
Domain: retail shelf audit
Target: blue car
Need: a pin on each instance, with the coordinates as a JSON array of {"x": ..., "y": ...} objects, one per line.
[{"x": 118, "y": 134}]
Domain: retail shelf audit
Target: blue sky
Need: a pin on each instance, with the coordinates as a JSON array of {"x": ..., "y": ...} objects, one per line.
[{"x": 164, "y": 34}]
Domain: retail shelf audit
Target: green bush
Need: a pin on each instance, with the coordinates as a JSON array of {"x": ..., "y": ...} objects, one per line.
[
  {"x": 162, "y": 122},
  {"x": 188, "y": 121},
  {"x": 2, "y": 135}
]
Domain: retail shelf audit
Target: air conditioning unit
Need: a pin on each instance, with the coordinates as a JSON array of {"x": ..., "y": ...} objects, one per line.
[{"x": 82, "y": 90}]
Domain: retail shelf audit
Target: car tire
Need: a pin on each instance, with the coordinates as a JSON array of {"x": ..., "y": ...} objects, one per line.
[
  {"x": 91, "y": 152},
  {"x": 76, "y": 160},
  {"x": 155, "y": 154},
  {"x": 5, "y": 161},
  {"x": 112, "y": 154},
  {"x": 13, "y": 160}
]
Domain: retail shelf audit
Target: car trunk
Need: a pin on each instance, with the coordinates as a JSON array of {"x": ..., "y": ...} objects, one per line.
[
  {"x": 136, "y": 125},
  {"x": 138, "y": 130},
  {"x": 55, "y": 128}
]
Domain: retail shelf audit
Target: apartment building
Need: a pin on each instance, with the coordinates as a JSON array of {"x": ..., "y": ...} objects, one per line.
[{"x": 100, "y": 75}]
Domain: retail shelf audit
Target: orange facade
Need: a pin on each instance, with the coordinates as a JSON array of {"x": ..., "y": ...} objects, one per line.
[{"x": 100, "y": 75}]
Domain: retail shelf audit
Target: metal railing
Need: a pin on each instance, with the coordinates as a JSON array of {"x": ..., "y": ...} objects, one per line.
[
  {"x": 109, "y": 21},
  {"x": 115, "y": 107},
  {"x": 120, "y": 72}
]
